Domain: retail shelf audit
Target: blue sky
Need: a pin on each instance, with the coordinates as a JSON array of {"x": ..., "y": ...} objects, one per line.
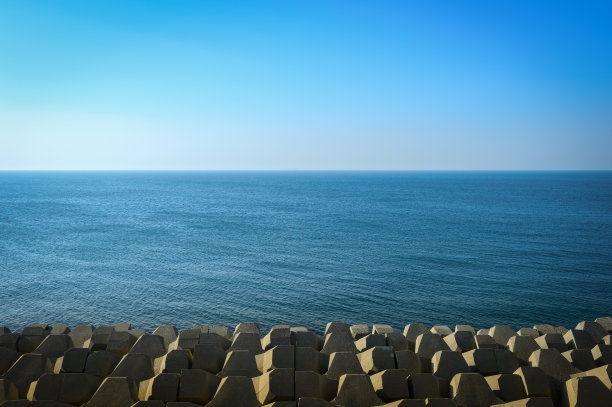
[{"x": 305, "y": 85}]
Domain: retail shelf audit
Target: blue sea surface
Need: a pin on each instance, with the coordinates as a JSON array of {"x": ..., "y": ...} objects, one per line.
[{"x": 305, "y": 248}]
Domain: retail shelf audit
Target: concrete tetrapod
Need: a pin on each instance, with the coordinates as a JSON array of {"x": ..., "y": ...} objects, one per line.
[
  {"x": 355, "y": 390},
  {"x": 114, "y": 392},
  {"x": 235, "y": 391},
  {"x": 275, "y": 385},
  {"x": 472, "y": 390},
  {"x": 587, "y": 391}
]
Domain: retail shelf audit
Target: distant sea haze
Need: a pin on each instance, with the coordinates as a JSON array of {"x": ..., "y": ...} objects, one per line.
[{"x": 305, "y": 248}]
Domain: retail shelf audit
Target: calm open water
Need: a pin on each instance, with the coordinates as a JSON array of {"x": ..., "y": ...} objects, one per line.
[{"x": 304, "y": 248}]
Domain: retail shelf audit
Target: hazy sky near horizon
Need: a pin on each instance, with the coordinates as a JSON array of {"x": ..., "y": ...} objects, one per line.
[{"x": 305, "y": 84}]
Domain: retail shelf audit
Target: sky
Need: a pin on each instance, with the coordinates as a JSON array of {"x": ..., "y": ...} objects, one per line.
[{"x": 305, "y": 85}]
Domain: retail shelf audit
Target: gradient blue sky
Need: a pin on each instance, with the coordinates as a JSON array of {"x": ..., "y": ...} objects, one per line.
[{"x": 305, "y": 84}]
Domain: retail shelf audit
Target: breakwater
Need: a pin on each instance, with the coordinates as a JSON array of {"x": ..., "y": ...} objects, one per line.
[{"x": 350, "y": 365}]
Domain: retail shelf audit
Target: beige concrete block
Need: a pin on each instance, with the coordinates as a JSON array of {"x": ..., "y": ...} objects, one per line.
[
  {"x": 337, "y": 327},
  {"x": 120, "y": 342},
  {"x": 276, "y": 336},
  {"x": 311, "y": 384},
  {"x": 578, "y": 339},
  {"x": 439, "y": 402},
  {"x": 586, "y": 391},
  {"x": 460, "y": 341},
  {"x": 100, "y": 337},
  {"x": 545, "y": 329},
  {"x": 369, "y": 341},
  {"x": 593, "y": 328},
  {"x": 164, "y": 386},
  {"x": 247, "y": 327},
  {"x": 391, "y": 384},
  {"x": 409, "y": 361},
  {"x": 77, "y": 388},
  {"x": 188, "y": 339},
  {"x": 211, "y": 338},
  {"x": 123, "y": 326},
  {"x": 552, "y": 363},
  {"x": 508, "y": 387},
  {"x": 28, "y": 368},
  {"x": 603, "y": 373},
  {"x": 528, "y": 402},
  {"x": 150, "y": 403},
  {"x": 359, "y": 331},
  {"x": 31, "y": 337},
  {"x": 355, "y": 390},
  {"x": 235, "y": 391},
  {"x": 552, "y": 341},
  {"x": 73, "y": 360},
  {"x": 47, "y": 387},
  {"x": 220, "y": 330},
  {"x": 279, "y": 357},
  {"x": 342, "y": 363},
  {"x": 314, "y": 402},
  {"x": 485, "y": 342},
  {"x": 250, "y": 341},
  {"x": 305, "y": 339},
  {"x": 412, "y": 332},
  {"x": 481, "y": 361},
  {"x": 483, "y": 332},
  {"x": 4, "y": 330},
  {"x": 281, "y": 404},
  {"x": 501, "y": 334},
  {"x": 522, "y": 347},
  {"x": 445, "y": 364},
  {"x": 605, "y": 322},
  {"x": 240, "y": 363},
  {"x": 134, "y": 366},
  {"x": 535, "y": 381},
  {"x": 54, "y": 346},
  {"x": 8, "y": 391},
  {"x": 377, "y": 359},
  {"x": 602, "y": 354},
  {"x": 114, "y": 392},
  {"x": 580, "y": 358},
  {"x": 423, "y": 385},
  {"x": 208, "y": 357},
  {"x": 150, "y": 345},
  {"x": 101, "y": 363},
  {"x": 9, "y": 341},
  {"x": 175, "y": 361},
  {"x": 397, "y": 341},
  {"x": 338, "y": 341},
  {"x": 506, "y": 361},
  {"x": 81, "y": 336},
  {"x": 382, "y": 329},
  {"x": 198, "y": 386},
  {"x": 168, "y": 332},
  {"x": 182, "y": 404},
  {"x": 275, "y": 385},
  {"x": 442, "y": 330},
  {"x": 532, "y": 332},
  {"x": 407, "y": 403},
  {"x": 465, "y": 328},
  {"x": 472, "y": 390},
  {"x": 311, "y": 359},
  {"x": 8, "y": 356},
  {"x": 428, "y": 344}
]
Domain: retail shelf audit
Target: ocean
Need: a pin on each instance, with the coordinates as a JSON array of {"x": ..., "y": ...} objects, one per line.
[{"x": 305, "y": 248}]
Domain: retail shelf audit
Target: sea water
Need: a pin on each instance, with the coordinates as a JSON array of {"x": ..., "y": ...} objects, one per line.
[{"x": 305, "y": 248}]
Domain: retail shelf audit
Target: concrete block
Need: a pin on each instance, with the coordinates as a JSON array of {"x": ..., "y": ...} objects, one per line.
[
  {"x": 369, "y": 341},
  {"x": 8, "y": 356},
  {"x": 532, "y": 332},
  {"x": 603, "y": 373},
  {"x": 445, "y": 364},
  {"x": 311, "y": 359},
  {"x": 150, "y": 403},
  {"x": 280, "y": 357},
  {"x": 545, "y": 329},
  {"x": 412, "y": 332},
  {"x": 100, "y": 337},
  {"x": 276, "y": 336},
  {"x": 501, "y": 334},
  {"x": 122, "y": 327},
  {"x": 535, "y": 381},
  {"x": 9, "y": 341},
  {"x": 16, "y": 403},
  {"x": 31, "y": 337},
  {"x": 409, "y": 361},
  {"x": 355, "y": 390},
  {"x": 423, "y": 385},
  {"x": 442, "y": 330},
  {"x": 602, "y": 354},
  {"x": 73, "y": 360},
  {"x": 28, "y": 368},
  {"x": 376, "y": 359},
  {"x": 338, "y": 341},
  {"x": 275, "y": 385},
  {"x": 198, "y": 386},
  {"x": 506, "y": 361},
  {"x": 314, "y": 402},
  {"x": 578, "y": 339},
  {"x": 552, "y": 341},
  {"x": 54, "y": 346},
  {"x": 485, "y": 342},
  {"x": 337, "y": 327},
  {"x": 81, "y": 336},
  {"x": 220, "y": 330},
  {"x": 208, "y": 357},
  {"x": 580, "y": 358},
  {"x": 182, "y": 404},
  {"x": 168, "y": 332},
  {"x": 247, "y": 341},
  {"x": 59, "y": 329},
  {"x": 552, "y": 363},
  {"x": 522, "y": 347},
  {"x": 359, "y": 331},
  {"x": 164, "y": 387},
  {"x": 465, "y": 328},
  {"x": 408, "y": 403},
  {"x": 342, "y": 363},
  {"x": 472, "y": 390},
  {"x": 586, "y": 391},
  {"x": 247, "y": 327},
  {"x": 8, "y": 391},
  {"x": 311, "y": 384},
  {"x": 101, "y": 363},
  {"x": 593, "y": 328},
  {"x": 188, "y": 339},
  {"x": 482, "y": 332},
  {"x": 114, "y": 392},
  {"x": 135, "y": 366},
  {"x": 235, "y": 391},
  {"x": 528, "y": 402},
  {"x": 439, "y": 402},
  {"x": 481, "y": 361},
  {"x": 382, "y": 329},
  {"x": 150, "y": 345},
  {"x": 605, "y": 322},
  {"x": 397, "y": 341},
  {"x": 211, "y": 338},
  {"x": 460, "y": 341},
  {"x": 175, "y": 361},
  {"x": 240, "y": 363},
  {"x": 305, "y": 339},
  {"x": 428, "y": 344},
  {"x": 47, "y": 387},
  {"x": 120, "y": 342},
  {"x": 391, "y": 384},
  {"x": 4, "y": 330},
  {"x": 77, "y": 388},
  {"x": 508, "y": 387},
  {"x": 607, "y": 340}
]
